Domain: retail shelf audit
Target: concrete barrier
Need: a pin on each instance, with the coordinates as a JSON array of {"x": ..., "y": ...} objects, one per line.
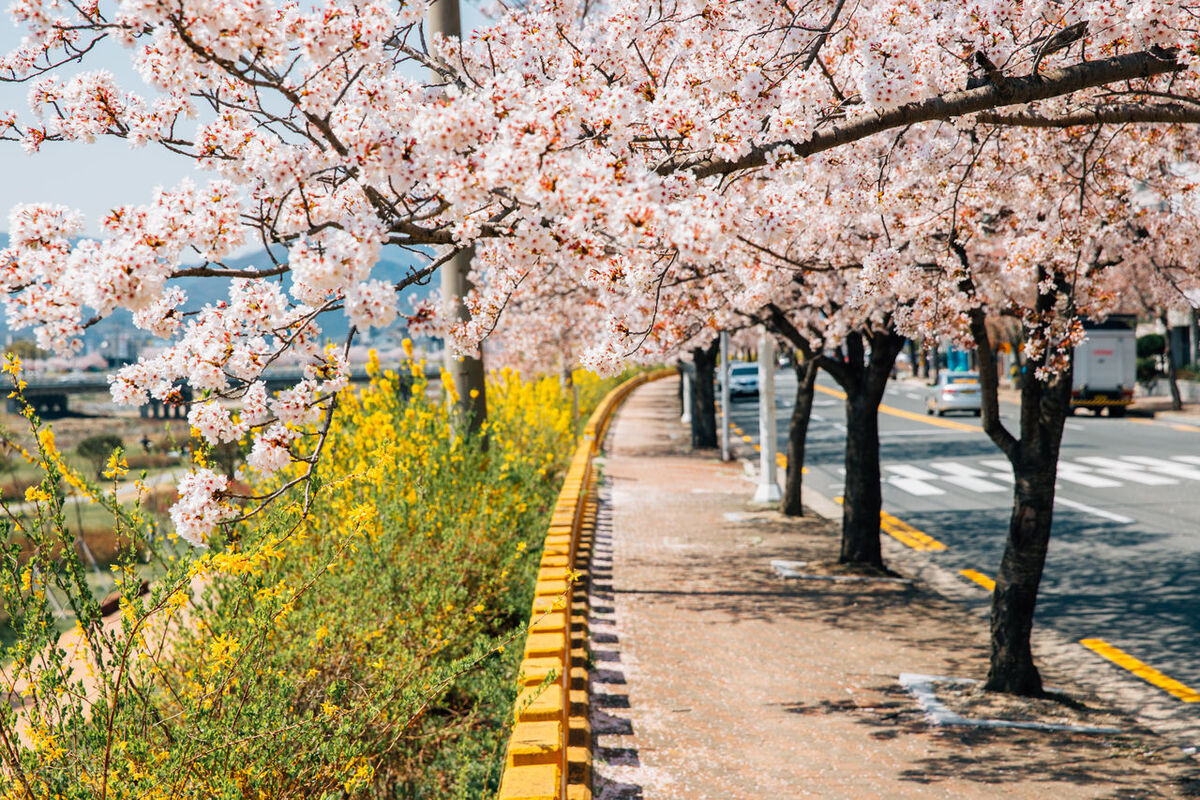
[{"x": 549, "y": 754}]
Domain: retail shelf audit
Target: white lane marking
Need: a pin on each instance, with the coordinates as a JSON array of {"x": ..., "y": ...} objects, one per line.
[
  {"x": 955, "y": 468},
  {"x": 909, "y": 471},
  {"x": 1096, "y": 512},
  {"x": 824, "y": 403},
  {"x": 912, "y": 395},
  {"x": 966, "y": 477},
  {"x": 971, "y": 483},
  {"x": 1126, "y": 470},
  {"x": 935, "y": 432},
  {"x": 1188, "y": 459},
  {"x": 1073, "y": 473},
  {"x": 1076, "y": 474},
  {"x": 839, "y": 426},
  {"x": 1167, "y": 467},
  {"x": 816, "y": 417},
  {"x": 915, "y": 486},
  {"x": 1074, "y": 426}
]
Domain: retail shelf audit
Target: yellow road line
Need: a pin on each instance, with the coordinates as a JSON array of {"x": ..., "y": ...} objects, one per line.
[
  {"x": 980, "y": 578},
  {"x": 899, "y": 412},
  {"x": 1189, "y": 428},
  {"x": 1143, "y": 671},
  {"x": 904, "y": 533},
  {"x": 781, "y": 460}
]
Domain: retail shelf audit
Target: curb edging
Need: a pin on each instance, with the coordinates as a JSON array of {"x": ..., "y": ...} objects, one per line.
[{"x": 549, "y": 754}]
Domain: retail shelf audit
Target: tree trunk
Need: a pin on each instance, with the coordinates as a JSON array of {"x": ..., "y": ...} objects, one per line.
[
  {"x": 1169, "y": 357},
  {"x": 862, "y": 499},
  {"x": 704, "y": 401},
  {"x": 1044, "y": 409},
  {"x": 1012, "y": 669},
  {"x": 806, "y": 379},
  {"x": 1034, "y": 459}
]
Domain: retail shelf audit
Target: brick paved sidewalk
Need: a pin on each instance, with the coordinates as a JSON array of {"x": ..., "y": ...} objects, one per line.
[{"x": 713, "y": 678}]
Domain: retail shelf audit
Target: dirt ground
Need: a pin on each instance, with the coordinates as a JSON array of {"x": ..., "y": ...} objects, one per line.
[{"x": 715, "y": 678}]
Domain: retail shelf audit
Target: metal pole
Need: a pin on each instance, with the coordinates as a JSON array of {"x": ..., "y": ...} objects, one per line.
[
  {"x": 768, "y": 486},
  {"x": 467, "y": 373},
  {"x": 725, "y": 397}
]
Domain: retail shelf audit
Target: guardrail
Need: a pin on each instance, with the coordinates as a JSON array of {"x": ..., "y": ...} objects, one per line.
[{"x": 549, "y": 753}]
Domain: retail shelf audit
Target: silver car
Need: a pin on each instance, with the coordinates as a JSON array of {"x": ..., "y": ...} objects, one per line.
[
  {"x": 954, "y": 391},
  {"x": 743, "y": 378}
]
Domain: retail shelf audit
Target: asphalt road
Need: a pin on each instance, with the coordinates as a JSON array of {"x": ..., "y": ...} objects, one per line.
[{"x": 1124, "y": 560}]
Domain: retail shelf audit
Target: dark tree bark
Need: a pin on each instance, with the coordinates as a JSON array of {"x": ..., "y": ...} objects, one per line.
[
  {"x": 913, "y": 354},
  {"x": 806, "y": 380},
  {"x": 1168, "y": 356},
  {"x": 863, "y": 379},
  {"x": 1034, "y": 458},
  {"x": 704, "y": 401}
]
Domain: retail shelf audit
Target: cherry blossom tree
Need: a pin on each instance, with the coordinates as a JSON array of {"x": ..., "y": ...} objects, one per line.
[
  {"x": 600, "y": 140},
  {"x": 1041, "y": 225}
]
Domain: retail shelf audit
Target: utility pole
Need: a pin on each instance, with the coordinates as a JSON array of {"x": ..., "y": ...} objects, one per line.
[
  {"x": 768, "y": 491},
  {"x": 467, "y": 373}
]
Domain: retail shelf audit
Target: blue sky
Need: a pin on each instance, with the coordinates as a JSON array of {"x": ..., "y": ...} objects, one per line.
[{"x": 92, "y": 177}]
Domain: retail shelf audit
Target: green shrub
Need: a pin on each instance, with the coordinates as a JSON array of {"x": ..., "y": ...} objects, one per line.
[
  {"x": 1152, "y": 344},
  {"x": 98, "y": 448}
]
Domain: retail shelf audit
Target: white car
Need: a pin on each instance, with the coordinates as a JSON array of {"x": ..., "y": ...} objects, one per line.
[
  {"x": 743, "y": 378},
  {"x": 954, "y": 391}
]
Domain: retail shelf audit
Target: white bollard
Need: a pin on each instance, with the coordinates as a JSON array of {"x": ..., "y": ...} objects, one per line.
[
  {"x": 725, "y": 397},
  {"x": 768, "y": 486}
]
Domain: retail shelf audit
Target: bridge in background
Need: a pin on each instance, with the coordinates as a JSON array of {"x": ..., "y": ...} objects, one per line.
[{"x": 50, "y": 398}]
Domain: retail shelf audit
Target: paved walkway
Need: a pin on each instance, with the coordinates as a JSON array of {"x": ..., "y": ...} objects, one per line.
[{"x": 713, "y": 678}]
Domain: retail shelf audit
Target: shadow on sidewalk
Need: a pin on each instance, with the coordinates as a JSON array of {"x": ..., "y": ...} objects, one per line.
[{"x": 615, "y": 762}]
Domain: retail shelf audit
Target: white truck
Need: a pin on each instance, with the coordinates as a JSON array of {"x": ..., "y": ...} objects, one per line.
[{"x": 1106, "y": 366}]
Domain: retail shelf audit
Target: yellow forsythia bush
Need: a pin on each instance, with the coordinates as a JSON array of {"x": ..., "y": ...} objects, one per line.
[{"x": 359, "y": 638}]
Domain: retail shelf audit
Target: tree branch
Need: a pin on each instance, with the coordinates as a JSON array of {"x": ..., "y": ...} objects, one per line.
[
  {"x": 1017, "y": 91},
  {"x": 1124, "y": 114}
]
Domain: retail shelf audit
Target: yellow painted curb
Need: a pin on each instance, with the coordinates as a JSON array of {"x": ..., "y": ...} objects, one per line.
[{"x": 549, "y": 755}]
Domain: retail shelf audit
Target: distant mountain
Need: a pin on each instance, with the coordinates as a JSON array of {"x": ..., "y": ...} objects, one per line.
[{"x": 395, "y": 265}]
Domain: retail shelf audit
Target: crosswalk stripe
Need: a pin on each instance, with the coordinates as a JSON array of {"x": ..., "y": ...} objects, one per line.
[
  {"x": 955, "y": 468},
  {"x": 1126, "y": 471},
  {"x": 915, "y": 486},
  {"x": 1068, "y": 472},
  {"x": 1172, "y": 468},
  {"x": 971, "y": 483},
  {"x": 909, "y": 471}
]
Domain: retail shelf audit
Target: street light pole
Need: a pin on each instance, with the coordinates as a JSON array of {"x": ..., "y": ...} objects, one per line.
[
  {"x": 468, "y": 372},
  {"x": 768, "y": 490}
]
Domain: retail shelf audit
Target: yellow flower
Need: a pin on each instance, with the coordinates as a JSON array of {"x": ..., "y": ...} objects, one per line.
[
  {"x": 117, "y": 465},
  {"x": 12, "y": 364},
  {"x": 36, "y": 494}
]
